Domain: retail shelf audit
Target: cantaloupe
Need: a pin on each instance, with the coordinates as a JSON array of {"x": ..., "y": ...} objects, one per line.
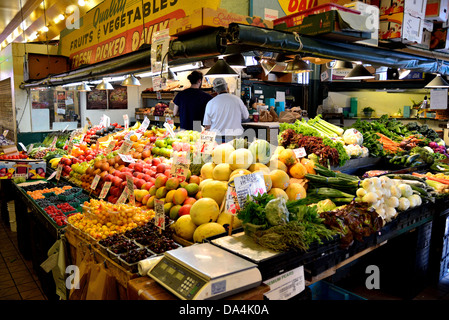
[
  {"x": 240, "y": 159},
  {"x": 277, "y": 192},
  {"x": 279, "y": 179},
  {"x": 221, "y": 153},
  {"x": 207, "y": 230},
  {"x": 207, "y": 170},
  {"x": 295, "y": 191},
  {"x": 221, "y": 171},
  {"x": 288, "y": 157},
  {"x": 215, "y": 190},
  {"x": 297, "y": 170}
]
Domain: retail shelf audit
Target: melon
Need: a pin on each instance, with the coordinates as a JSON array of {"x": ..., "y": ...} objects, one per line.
[
  {"x": 207, "y": 230},
  {"x": 288, "y": 157},
  {"x": 309, "y": 164},
  {"x": 277, "y": 193},
  {"x": 204, "y": 182},
  {"x": 184, "y": 227},
  {"x": 225, "y": 219},
  {"x": 221, "y": 171},
  {"x": 215, "y": 190},
  {"x": 277, "y": 164},
  {"x": 267, "y": 179},
  {"x": 221, "y": 153},
  {"x": 295, "y": 191},
  {"x": 240, "y": 159},
  {"x": 259, "y": 166},
  {"x": 297, "y": 170},
  {"x": 207, "y": 170},
  {"x": 239, "y": 172},
  {"x": 261, "y": 150},
  {"x": 279, "y": 179},
  {"x": 204, "y": 210}
]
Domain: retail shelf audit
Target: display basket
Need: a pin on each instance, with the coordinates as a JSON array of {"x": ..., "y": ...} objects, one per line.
[
  {"x": 133, "y": 267},
  {"x": 72, "y": 195}
]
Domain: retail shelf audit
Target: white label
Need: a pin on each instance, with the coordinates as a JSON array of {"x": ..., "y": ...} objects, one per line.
[
  {"x": 126, "y": 146},
  {"x": 159, "y": 217},
  {"x": 286, "y": 285},
  {"x": 105, "y": 189},
  {"x": 52, "y": 175},
  {"x": 65, "y": 128},
  {"x": 207, "y": 141},
  {"x": 126, "y": 121},
  {"x": 31, "y": 147},
  {"x": 144, "y": 126},
  {"x": 170, "y": 130},
  {"x": 249, "y": 185},
  {"x": 58, "y": 171},
  {"x": 95, "y": 181},
  {"x": 53, "y": 143},
  {"x": 230, "y": 204},
  {"x": 300, "y": 152},
  {"x": 22, "y": 146},
  {"x": 110, "y": 147},
  {"x": 126, "y": 158},
  {"x": 130, "y": 185},
  {"x": 123, "y": 196},
  {"x": 5, "y": 133}
]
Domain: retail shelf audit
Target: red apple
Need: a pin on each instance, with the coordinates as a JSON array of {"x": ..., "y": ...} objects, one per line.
[
  {"x": 184, "y": 210},
  {"x": 138, "y": 167},
  {"x": 161, "y": 167},
  {"x": 156, "y": 161}
]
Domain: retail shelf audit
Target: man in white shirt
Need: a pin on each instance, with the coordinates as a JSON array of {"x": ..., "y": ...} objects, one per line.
[{"x": 225, "y": 112}]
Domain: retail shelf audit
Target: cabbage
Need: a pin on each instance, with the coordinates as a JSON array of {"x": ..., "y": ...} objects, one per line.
[
  {"x": 276, "y": 211},
  {"x": 325, "y": 205},
  {"x": 353, "y": 136},
  {"x": 261, "y": 150}
]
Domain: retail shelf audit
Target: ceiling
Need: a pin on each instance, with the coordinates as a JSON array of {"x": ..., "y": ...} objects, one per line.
[{"x": 23, "y": 20}]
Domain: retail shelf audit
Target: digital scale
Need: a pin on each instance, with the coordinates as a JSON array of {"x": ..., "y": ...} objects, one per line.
[{"x": 204, "y": 271}]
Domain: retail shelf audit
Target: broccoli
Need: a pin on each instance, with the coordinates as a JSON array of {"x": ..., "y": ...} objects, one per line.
[{"x": 413, "y": 126}]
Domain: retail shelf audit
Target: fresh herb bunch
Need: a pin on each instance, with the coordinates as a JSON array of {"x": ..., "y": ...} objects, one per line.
[{"x": 254, "y": 211}]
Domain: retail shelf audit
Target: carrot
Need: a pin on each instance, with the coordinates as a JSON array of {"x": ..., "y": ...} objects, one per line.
[{"x": 445, "y": 181}]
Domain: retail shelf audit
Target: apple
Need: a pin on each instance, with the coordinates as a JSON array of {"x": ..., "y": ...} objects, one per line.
[
  {"x": 147, "y": 185},
  {"x": 138, "y": 167},
  {"x": 117, "y": 181},
  {"x": 139, "y": 183},
  {"x": 156, "y": 161}
]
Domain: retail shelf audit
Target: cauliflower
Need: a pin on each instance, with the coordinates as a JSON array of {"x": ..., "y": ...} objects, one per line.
[
  {"x": 353, "y": 136},
  {"x": 353, "y": 150}
]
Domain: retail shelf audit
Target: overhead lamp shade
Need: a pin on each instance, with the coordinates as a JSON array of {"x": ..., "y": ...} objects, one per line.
[
  {"x": 342, "y": 65},
  {"x": 267, "y": 65},
  {"x": 83, "y": 87},
  {"x": 437, "y": 82},
  {"x": 359, "y": 72},
  {"x": 104, "y": 85},
  {"x": 169, "y": 75},
  {"x": 297, "y": 66},
  {"x": 130, "y": 81},
  {"x": 235, "y": 60},
  {"x": 221, "y": 69}
]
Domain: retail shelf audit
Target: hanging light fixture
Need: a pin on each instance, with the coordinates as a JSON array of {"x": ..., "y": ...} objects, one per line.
[
  {"x": 221, "y": 69},
  {"x": 297, "y": 65},
  {"x": 342, "y": 65},
  {"x": 403, "y": 73},
  {"x": 359, "y": 72},
  {"x": 84, "y": 87},
  {"x": 267, "y": 65},
  {"x": 130, "y": 81},
  {"x": 437, "y": 82},
  {"x": 169, "y": 75},
  {"x": 235, "y": 60},
  {"x": 104, "y": 85}
]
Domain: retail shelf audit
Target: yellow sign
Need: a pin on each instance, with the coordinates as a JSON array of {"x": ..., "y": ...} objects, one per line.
[
  {"x": 117, "y": 27},
  {"x": 293, "y": 6}
]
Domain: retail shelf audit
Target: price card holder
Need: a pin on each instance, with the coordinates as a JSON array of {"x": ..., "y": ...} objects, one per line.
[
  {"x": 22, "y": 146},
  {"x": 300, "y": 152},
  {"x": 130, "y": 186},
  {"x": 105, "y": 189},
  {"x": 207, "y": 141},
  {"x": 126, "y": 158},
  {"x": 144, "y": 126},
  {"x": 5, "y": 133},
  {"x": 125, "y": 147},
  {"x": 52, "y": 175},
  {"x": 286, "y": 285},
  {"x": 126, "y": 121},
  {"x": 95, "y": 181},
  {"x": 159, "y": 217},
  {"x": 180, "y": 167},
  {"x": 170, "y": 130},
  {"x": 30, "y": 148},
  {"x": 249, "y": 185},
  {"x": 110, "y": 147},
  {"x": 58, "y": 171},
  {"x": 53, "y": 143}
]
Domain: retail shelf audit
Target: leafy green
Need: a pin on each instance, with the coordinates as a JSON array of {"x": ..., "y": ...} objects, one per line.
[{"x": 254, "y": 211}]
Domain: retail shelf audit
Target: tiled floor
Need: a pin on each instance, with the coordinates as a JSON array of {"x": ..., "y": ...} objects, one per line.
[{"x": 17, "y": 278}]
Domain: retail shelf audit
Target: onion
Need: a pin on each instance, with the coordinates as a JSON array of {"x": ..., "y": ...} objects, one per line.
[{"x": 361, "y": 192}]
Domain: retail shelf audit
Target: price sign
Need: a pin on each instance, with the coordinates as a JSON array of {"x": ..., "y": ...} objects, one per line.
[
  {"x": 126, "y": 158},
  {"x": 207, "y": 141},
  {"x": 52, "y": 175},
  {"x": 249, "y": 185},
  {"x": 85, "y": 128},
  {"x": 53, "y": 143},
  {"x": 231, "y": 201},
  {"x": 31, "y": 147},
  {"x": 123, "y": 196},
  {"x": 144, "y": 126},
  {"x": 170, "y": 130},
  {"x": 58, "y": 171},
  {"x": 180, "y": 167},
  {"x": 159, "y": 217},
  {"x": 300, "y": 152},
  {"x": 89, "y": 123},
  {"x": 286, "y": 285},
  {"x": 110, "y": 147},
  {"x": 105, "y": 189},
  {"x": 95, "y": 181},
  {"x": 130, "y": 186},
  {"x": 125, "y": 147},
  {"x": 126, "y": 121},
  {"x": 22, "y": 146}
]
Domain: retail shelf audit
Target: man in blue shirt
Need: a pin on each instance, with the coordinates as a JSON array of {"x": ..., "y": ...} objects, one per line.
[{"x": 191, "y": 102}]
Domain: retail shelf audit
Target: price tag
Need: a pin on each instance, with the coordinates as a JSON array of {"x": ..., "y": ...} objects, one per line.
[
  {"x": 5, "y": 133},
  {"x": 156, "y": 118},
  {"x": 95, "y": 181},
  {"x": 180, "y": 167},
  {"x": 22, "y": 146},
  {"x": 126, "y": 121},
  {"x": 52, "y": 175},
  {"x": 130, "y": 186},
  {"x": 110, "y": 147},
  {"x": 249, "y": 185},
  {"x": 65, "y": 128},
  {"x": 58, "y": 171},
  {"x": 89, "y": 123},
  {"x": 159, "y": 217},
  {"x": 144, "y": 126},
  {"x": 127, "y": 158},
  {"x": 105, "y": 189},
  {"x": 123, "y": 196},
  {"x": 300, "y": 152},
  {"x": 70, "y": 147},
  {"x": 53, "y": 143},
  {"x": 170, "y": 130},
  {"x": 231, "y": 202},
  {"x": 286, "y": 285},
  {"x": 158, "y": 94},
  {"x": 207, "y": 141},
  {"x": 31, "y": 147},
  {"x": 125, "y": 147}
]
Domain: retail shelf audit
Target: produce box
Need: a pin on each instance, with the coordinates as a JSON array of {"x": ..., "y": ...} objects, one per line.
[
  {"x": 335, "y": 24},
  {"x": 439, "y": 40},
  {"x": 437, "y": 10},
  {"x": 7, "y": 169},
  {"x": 37, "y": 170},
  {"x": 372, "y": 13},
  {"x": 402, "y": 27},
  {"x": 206, "y": 17},
  {"x": 296, "y": 19},
  {"x": 9, "y": 149},
  {"x": 416, "y": 8}
]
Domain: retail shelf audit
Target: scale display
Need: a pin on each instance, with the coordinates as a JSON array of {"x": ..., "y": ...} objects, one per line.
[{"x": 204, "y": 271}]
